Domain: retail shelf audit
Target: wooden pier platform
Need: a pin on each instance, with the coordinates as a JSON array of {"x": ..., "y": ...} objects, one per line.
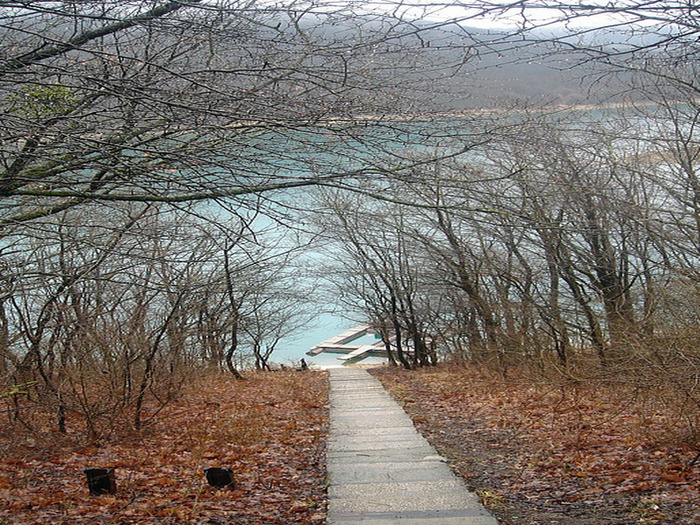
[{"x": 342, "y": 344}]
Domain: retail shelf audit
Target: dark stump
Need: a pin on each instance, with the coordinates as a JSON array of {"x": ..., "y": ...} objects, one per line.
[{"x": 101, "y": 481}]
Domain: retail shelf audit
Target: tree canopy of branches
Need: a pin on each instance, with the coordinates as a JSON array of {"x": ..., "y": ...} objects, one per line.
[
  {"x": 177, "y": 101},
  {"x": 516, "y": 236},
  {"x": 139, "y": 145}
]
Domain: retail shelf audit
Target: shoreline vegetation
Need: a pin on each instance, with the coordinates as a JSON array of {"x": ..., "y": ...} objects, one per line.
[
  {"x": 463, "y": 114},
  {"x": 468, "y": 113}
]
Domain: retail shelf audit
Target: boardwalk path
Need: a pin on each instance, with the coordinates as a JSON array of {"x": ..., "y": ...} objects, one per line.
[{"x": 381, "y": 471}]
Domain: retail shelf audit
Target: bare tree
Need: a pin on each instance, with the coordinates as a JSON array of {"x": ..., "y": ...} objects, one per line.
[{"x": 183, "y": 101}]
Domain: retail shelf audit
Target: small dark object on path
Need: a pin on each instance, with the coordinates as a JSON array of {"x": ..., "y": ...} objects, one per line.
[
  {"x": 219, "y": 477},
  {"x": 101, "y": 481}
]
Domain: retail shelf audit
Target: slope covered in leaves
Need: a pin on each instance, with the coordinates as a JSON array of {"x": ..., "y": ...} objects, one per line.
[
  {"x": 557, "y": 453},
  {"x": 270, "y": 429}
]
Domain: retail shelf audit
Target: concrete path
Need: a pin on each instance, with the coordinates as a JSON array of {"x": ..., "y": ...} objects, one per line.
[{"x": 381, "y": 471}]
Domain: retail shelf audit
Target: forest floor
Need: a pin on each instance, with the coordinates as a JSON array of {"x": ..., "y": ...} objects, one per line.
[
  {"x": 546, "y": 453},
  {"x": 535, "y": 452},
  {"x": 269, "y": 428}
]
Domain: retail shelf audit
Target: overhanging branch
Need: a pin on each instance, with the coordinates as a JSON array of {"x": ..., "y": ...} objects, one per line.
[{"x": 38, "y": 55}]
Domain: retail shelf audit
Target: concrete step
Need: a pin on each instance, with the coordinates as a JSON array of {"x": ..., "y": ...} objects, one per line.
[{"x": 381, "y": 471}]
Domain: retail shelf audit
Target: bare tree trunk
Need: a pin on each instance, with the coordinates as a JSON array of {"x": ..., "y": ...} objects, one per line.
[
  {"x": 235, "y": 316},
  {"x": 595, "y": 332},
  {"x": 464, "y": 283},
  {"x": 149, "y": 361}
]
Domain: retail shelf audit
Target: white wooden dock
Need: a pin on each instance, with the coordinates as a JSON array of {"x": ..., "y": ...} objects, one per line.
[{"x": 342, "y": 344}]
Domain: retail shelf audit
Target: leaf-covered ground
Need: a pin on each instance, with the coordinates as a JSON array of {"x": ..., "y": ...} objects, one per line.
[
  {"x": 270, "y": 429},
  {"x": 556, "y": 454}
]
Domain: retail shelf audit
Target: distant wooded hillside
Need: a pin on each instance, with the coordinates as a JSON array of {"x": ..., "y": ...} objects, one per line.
[{"x": 500, "y": 69}]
